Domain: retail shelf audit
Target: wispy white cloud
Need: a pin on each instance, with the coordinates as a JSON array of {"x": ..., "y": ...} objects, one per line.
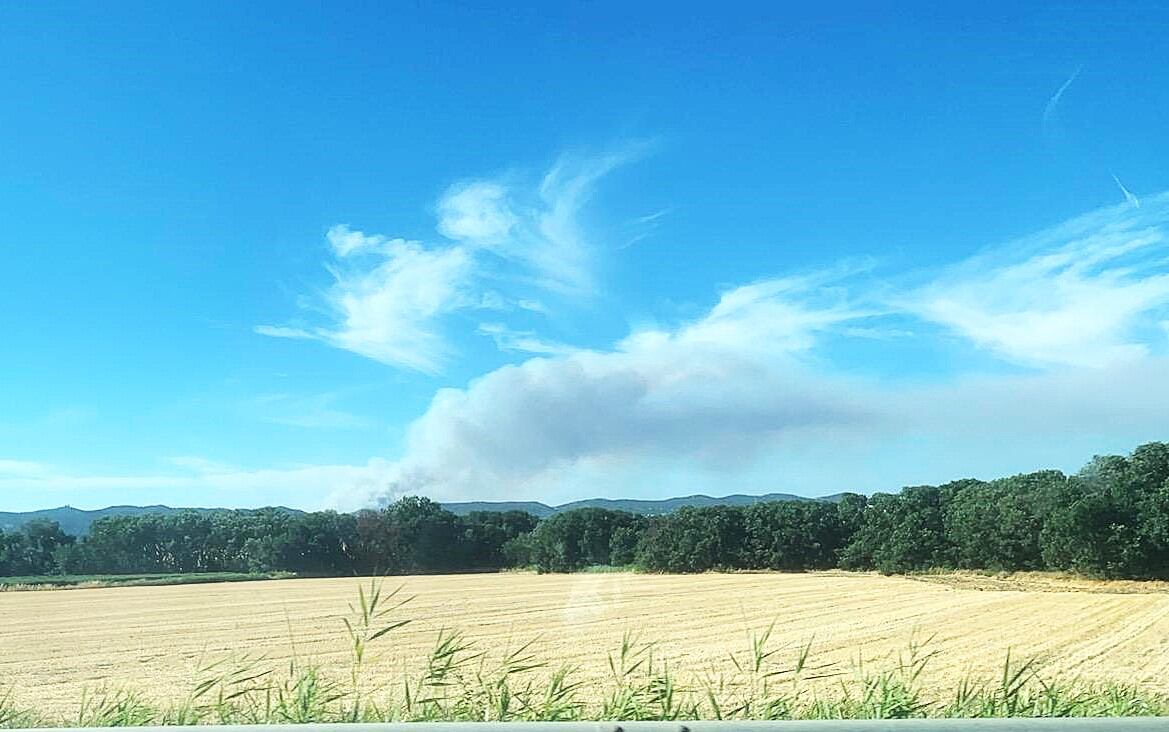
[
  {"x": 282, "y": 331},
  {"x": 494, "y": 300},
  {"x": 563, "y": 256},
  {"x": 478, "y": 212},
  {"x": 388, "y": 313},
  {"x": 642, "y": 227},
  {"x": 390, "y": 295},
  {"x": 536, "y": 229},
  {"x": 1078, "y": 294},
  {"x": 346, "y": 242},
  {"x": 652, "y": 218},
  {"x": 525, "y": 341},
  {"x": 386, "y": 306}
]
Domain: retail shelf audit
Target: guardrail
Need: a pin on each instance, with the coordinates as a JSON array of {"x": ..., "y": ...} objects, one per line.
[{"x": 1047, "y": 724}]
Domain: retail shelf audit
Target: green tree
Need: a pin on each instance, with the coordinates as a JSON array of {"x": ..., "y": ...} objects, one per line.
[
  {"x": 1113, "y": 520},
  {"x": 793, "y": 535},
  {"x": 695, "y": 540},
  {"x": 903, "y": 532},
  {"x": 997, "y": 525},
  {"x": 487, "y": 533},
  {"x": 578, "y": 538}
]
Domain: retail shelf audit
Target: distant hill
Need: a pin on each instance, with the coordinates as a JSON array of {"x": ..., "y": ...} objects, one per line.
[
  {"x": 535, "y": 508},
  {"x": 649, "y": 508},
  {"x": 74, "y": 520},
  {"x": 77, "y": 522}
]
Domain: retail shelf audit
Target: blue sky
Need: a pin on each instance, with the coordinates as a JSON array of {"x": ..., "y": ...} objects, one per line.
[{"x": 322, "y": 255}]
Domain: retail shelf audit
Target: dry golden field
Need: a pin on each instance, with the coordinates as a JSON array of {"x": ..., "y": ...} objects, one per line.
[{"x": 53, "y": 644}]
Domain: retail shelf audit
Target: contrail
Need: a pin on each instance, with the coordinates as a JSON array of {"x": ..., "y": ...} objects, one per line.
[
  {"x": 1049, "y": 110},
  {"x": 1128, "y": 195}
]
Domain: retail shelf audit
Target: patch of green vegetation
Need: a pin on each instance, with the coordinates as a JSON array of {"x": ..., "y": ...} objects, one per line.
[
  {"x": 607, "y": 569},
  {"x": 66, "y": 581}
]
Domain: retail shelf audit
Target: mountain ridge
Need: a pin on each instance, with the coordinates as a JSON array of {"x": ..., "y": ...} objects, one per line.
[
  {"x": 77, "y": 521},
  {"x": 649, "y": 507}
]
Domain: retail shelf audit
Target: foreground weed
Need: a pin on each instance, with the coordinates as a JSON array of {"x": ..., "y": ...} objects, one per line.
[
  {"x": 12, "y": 716},
  {"x": 306, "y": 696},
  {"x": 369, "y": 620},
  {"x": 229, "y": 691},
  {"x": 768, "y": 687},
  {"x": 8, "y": 711},
  {"x": 503, "y": 691},
  {"x": 109, "y": 707},
  {"x": 643, "y": 687},
  {"x": 440, "y": 692},
  {"x": 886, "y": 694},
  {"x": 559, "y": 701}
]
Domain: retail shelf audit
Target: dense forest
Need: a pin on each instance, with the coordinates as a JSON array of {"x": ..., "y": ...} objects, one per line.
[{"x": 1110, "y": 520}]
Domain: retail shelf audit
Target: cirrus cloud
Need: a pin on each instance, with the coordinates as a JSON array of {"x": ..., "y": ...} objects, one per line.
[
  {"x": 1080, "y": 294},
  {"x": 390, "y": 296}
]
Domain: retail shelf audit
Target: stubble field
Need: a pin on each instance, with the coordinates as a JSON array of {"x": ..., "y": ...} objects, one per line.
[{"x": 54, "y": 644}]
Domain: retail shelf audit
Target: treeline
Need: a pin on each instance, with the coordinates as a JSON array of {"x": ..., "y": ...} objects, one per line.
[
  {"x": 1110, "y": 520},
  {"x": 413, "y": 536}
]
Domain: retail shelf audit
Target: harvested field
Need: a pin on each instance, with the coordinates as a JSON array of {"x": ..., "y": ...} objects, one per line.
[{"x": 54, "y": 644}]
